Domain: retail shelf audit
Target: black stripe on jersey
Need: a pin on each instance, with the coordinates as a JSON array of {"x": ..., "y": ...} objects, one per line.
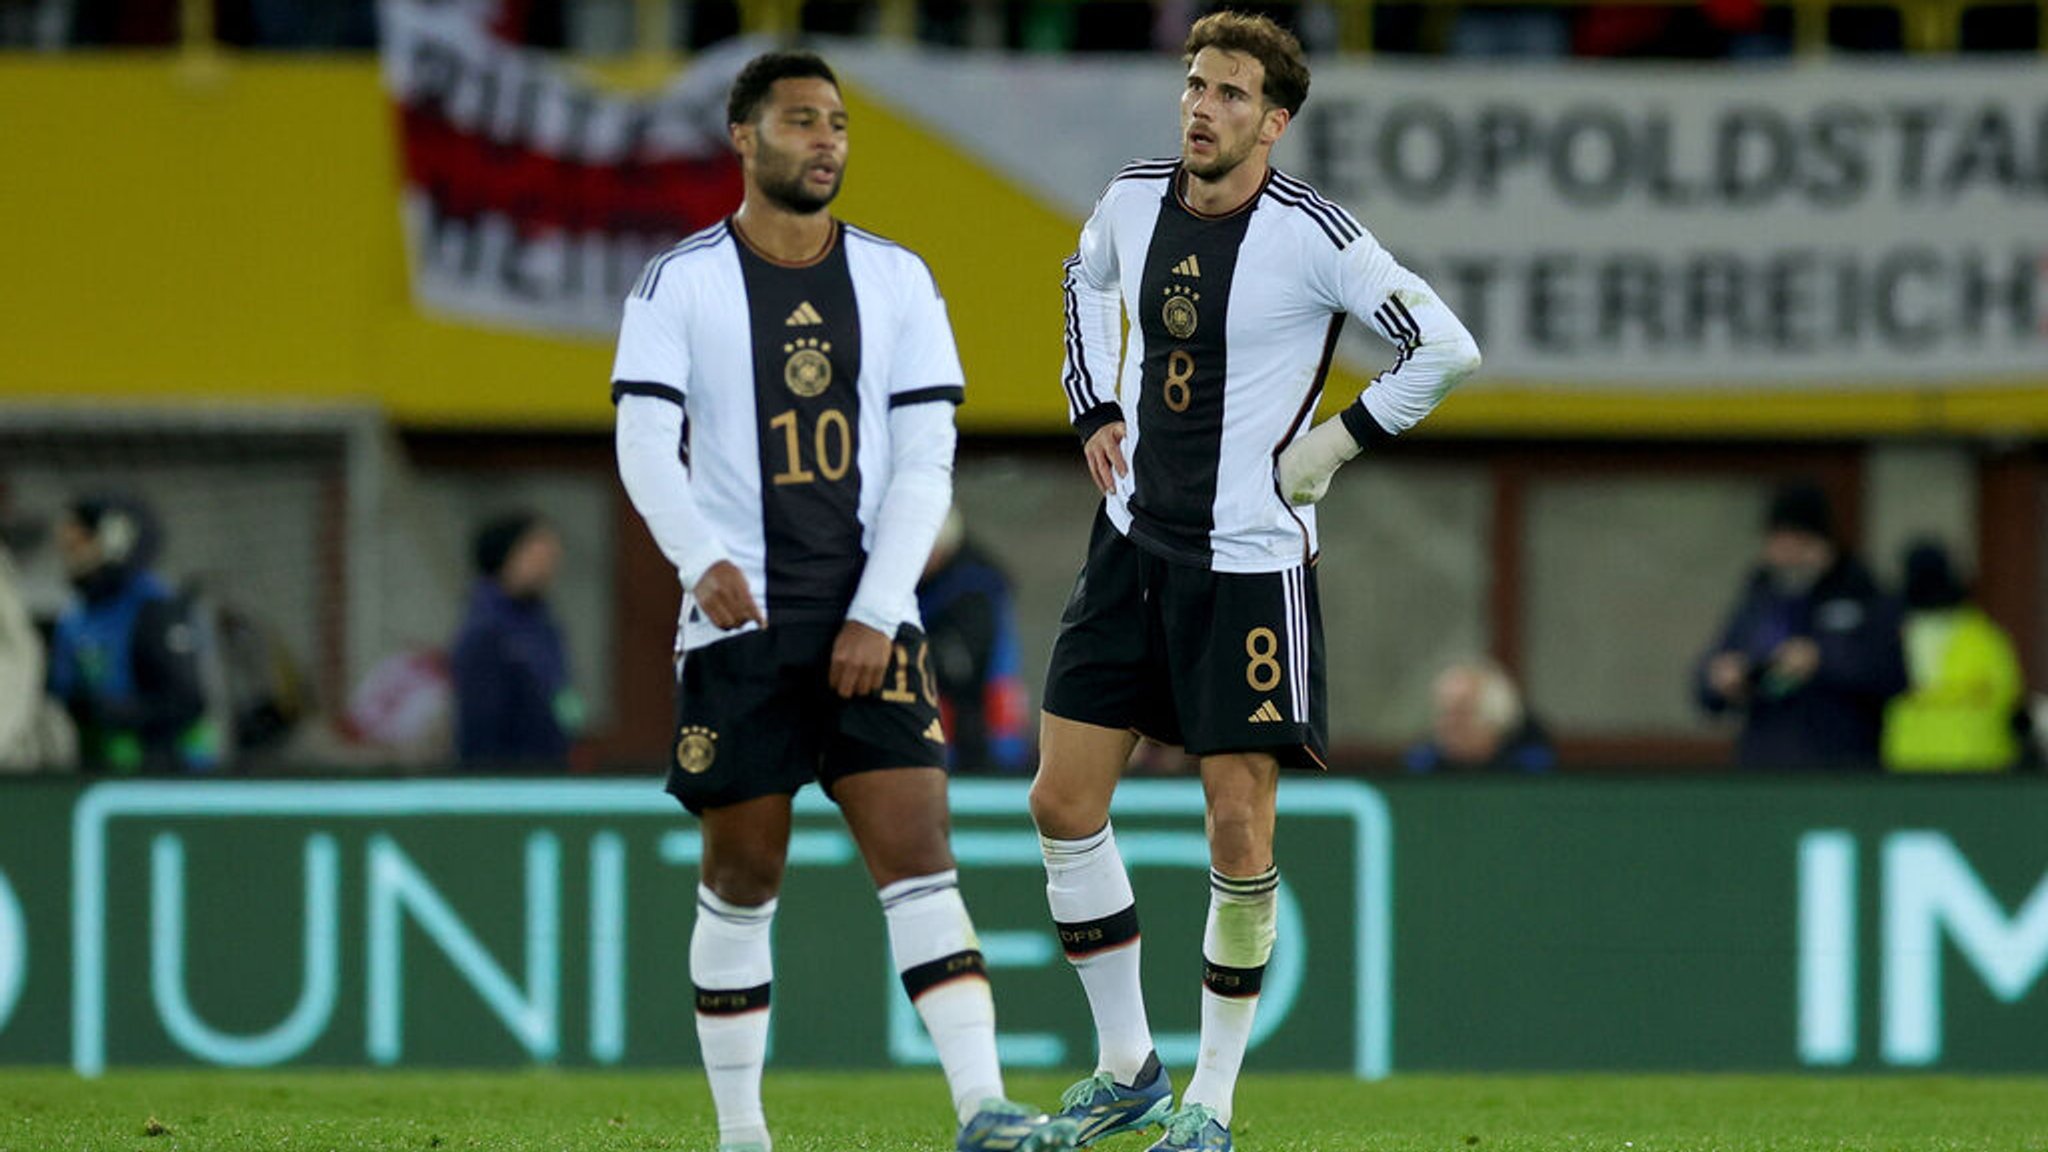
[
  {"x": 1146, "y": 169},
  {"x": 731, "y": 1001},
  {"x": 919, "y": 979},
  {"x": 1299, "y": 187},
  {"x": 624, "y": 388},
  {"x": 884, "y": 241},
  {"x": 807, "y": 429},
  {"x": 1078, "y": 383},
  {"x": 1398, "y": 325},
  {"x": 1324, "y": 218},
  {"x": 1182, "y": 379},
  {"x": 864, "y": 234},
  {"x": 650, "y": 277},
  {"x": 950, "y": 393},
  {"x": 1294, "y": 427},
  {"x": 1082, "y": 938}
]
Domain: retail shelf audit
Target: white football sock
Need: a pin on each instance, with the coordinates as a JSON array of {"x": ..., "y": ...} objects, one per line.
[
  {"x": 1097, "y": 918},
  {"x": 940, "y": 961},
  {"x": 732, "y": 968},
  {"x": 1235, "y": 947}
]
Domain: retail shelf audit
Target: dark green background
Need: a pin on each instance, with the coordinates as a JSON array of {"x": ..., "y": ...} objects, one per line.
[{"x": 1568, "y": 924}]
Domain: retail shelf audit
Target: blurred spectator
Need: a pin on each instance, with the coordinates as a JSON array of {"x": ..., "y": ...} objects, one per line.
[
  {"x": 514, "y": 706},
  {"x": 1517, "y": 32},
  {"x": 964, "y": 600},
  {"x": 1477, "y": 724},
  {"x": 126, "y": 658},
  {"x": 305, "y": 25},
  {"x": 123, "y": 23},
  {"x": 1811, "y": 652},
  {"x": 1711, "y": 30},
  {"x": 1958, "y": 713},
  {"x": 34, "y": 732}
]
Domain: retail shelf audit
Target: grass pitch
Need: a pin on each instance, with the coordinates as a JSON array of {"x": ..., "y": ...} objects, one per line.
[{"x": 49, "y": 1111}]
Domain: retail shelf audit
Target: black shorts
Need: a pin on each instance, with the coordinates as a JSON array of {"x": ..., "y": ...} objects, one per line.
[
  {"x": 1212, "y": 661},
  {"x": 756, "y": 716}
]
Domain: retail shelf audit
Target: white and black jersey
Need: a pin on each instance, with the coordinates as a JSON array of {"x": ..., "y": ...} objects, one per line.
[
  {"x": 794, "y": 420},
  {"x": 1233, "y": 321}
]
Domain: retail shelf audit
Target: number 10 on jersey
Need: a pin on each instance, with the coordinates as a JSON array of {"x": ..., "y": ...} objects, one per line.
[{"x": 831, "y": 447}]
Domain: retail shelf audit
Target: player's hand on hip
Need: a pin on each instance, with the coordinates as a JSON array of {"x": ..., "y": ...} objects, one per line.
[
  {"x": 859, "y": 657},
  {"x": 1307, "y": 464},
  {"x": 723, "y": 596},
  {"x": 1105, "y": 452}
]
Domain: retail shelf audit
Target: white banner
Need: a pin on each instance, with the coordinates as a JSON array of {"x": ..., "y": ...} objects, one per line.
[
  {"x": 1804, "y": 225},
  {"x": 532, "y": 197}
]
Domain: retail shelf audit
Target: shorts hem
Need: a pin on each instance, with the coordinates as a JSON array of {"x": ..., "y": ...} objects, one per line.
[{"x": 1298, "y": 755}]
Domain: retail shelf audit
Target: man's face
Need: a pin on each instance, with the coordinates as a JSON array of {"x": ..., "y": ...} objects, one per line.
[
  {"x": 1796, "y": 559},
  {"x": 530, "y": 569},
  {"x": 795, "y": 147},
  {"x": 1223, "y": 113},
  {"x": 1459, "y": 720},
  {"x": 77, "y": 547}
]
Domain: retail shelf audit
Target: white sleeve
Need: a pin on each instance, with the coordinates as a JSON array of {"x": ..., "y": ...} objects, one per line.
[
  {"x": 1433, "y": 351},
  {"x": 927, "y": 364},
  {"x": 649, "y": 441},
  {"x": 921, "y": 440},
  {"x": 1094, "y": 326},
  {"x": 653, "y": 357}
]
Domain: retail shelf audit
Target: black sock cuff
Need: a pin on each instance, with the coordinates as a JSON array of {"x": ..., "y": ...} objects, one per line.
[
  {"x": 919, "y": 979},
  {"x": 731, "y": 1001},
  {"x": 1236, "y": 983},
  {"x": 1085, "y": 938}
]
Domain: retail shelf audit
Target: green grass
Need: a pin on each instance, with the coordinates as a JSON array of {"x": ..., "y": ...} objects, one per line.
[{"x": 48, "y": 1111}]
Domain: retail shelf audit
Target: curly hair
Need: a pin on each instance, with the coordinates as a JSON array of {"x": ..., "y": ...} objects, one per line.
[{"x": 1256, "y": 36}]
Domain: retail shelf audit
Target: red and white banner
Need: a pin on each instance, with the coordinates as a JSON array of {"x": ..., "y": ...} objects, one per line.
[{"x": 531, "y": 196}]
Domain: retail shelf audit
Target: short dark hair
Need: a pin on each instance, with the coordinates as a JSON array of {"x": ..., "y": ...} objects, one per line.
[
  {"x": 494, "y": 542},
  {"x": 1256, "y": 36},
  {"x": 1800, "y": 506},
  {"x": 751, "y": 87}
]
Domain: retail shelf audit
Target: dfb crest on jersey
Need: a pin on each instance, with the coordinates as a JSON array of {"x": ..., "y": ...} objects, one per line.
[
  {"x": 1181, "y": 316},
  {"x": 808, "y": 370}
]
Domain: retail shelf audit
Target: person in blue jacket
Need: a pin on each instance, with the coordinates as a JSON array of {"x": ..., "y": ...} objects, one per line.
[
  {"x": 514, "y": 705},
  {"x": 1811, "y": 652},
  {"x": 965, "y": 602},
  {"x": 126, "y": 656}
]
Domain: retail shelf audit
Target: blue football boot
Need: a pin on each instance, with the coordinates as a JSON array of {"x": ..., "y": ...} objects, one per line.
[
  {"x": 1103, "y": 1107},
  {"x": 1002, "y": 1126},
  {"x": 1193, "y": 1129}
]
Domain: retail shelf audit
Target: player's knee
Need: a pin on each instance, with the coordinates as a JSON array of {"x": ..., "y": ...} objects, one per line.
[
  {"x": 910, "y": 857},
  {"x": 1063, "y": 814},
  {"x": 1240, "y": 837},
  {"x": 748, "y": 883}
]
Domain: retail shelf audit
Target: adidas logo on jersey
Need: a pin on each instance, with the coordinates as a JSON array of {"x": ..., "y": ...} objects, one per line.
[
  {"x": 803, "y": 317},
  {"x": 1267, "y": 714},
  {"x": 1190, "y": 267},
  {"x": 935, "y": 734}
]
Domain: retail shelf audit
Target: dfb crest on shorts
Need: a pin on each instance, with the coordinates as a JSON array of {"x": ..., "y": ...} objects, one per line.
[{"x": 696, "y": 748}]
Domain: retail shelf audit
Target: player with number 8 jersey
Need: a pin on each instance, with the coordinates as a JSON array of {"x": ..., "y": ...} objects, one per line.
[
  {"x": 1195, "y": 620},
  {"x": 785, "y": 385}
]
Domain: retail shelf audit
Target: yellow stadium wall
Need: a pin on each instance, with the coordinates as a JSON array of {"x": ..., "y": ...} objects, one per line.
[
  {"x": 234, "y": 233},
  {"x": 231, "y": 231}
]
